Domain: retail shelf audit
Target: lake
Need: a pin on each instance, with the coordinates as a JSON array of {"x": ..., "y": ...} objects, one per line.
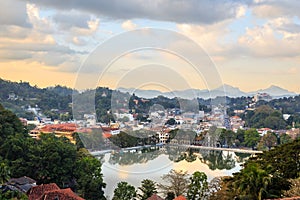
[{"x": 133, "y": 166}]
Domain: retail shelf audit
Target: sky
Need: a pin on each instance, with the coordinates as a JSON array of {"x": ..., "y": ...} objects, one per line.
[{"x": 151, "y": 44}]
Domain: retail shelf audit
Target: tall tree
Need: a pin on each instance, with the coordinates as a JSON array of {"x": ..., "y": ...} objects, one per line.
[
  {"x": 252, "y": 182},
  {"x": 124, "y": 191},
  {"x": 88, "y": 176},
  {"x": 148, "y": 188},
  {"x": 177, "y": 182},
  {"x": 251, "y": 138},
  {"x": 198, "y": 186},
  {"x": 268, "y": 140}
]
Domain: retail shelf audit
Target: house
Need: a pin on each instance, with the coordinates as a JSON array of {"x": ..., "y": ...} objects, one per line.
[
  {"x": 64, "y": 129},
  {"x": 22, "y": 184},
  {"x": 155, "y": 197},
  {"x": 180, "y": 197},
  {"x": 51, "y": 192}
]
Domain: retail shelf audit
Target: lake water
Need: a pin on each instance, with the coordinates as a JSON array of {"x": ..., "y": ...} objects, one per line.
[{"x": 151, "y": 163}]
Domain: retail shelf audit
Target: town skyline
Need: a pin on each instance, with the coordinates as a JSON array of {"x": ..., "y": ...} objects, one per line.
[{"x": 252, "y": 44}]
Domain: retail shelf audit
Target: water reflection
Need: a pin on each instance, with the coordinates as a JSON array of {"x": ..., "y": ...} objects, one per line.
[
  {"x": 212, "y": 158},
  {"x": 135, "y": 165}
]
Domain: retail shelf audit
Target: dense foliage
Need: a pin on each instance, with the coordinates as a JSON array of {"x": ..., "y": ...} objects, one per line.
[
  {"x": 267, "y": 175},
  {"x": 47, "y": 160}
]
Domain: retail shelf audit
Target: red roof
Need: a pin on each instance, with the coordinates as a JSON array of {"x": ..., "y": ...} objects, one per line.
[
  {"x": 155, "y": 197},
  {"x": 180, "y": 198},
  {"x": 107, "y": 134},
  {"x": 50, "y": 192},
  {"x": 37, "y": 192},
  {"x": 61, "y": 194},
  {"x": 66, "y": 127}
]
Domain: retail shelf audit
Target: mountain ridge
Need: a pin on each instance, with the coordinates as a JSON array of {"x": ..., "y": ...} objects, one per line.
[{"x": 224, "y": 90}]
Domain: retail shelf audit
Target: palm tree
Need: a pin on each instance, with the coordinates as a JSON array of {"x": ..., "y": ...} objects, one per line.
[{"x": 252, "y": 181}]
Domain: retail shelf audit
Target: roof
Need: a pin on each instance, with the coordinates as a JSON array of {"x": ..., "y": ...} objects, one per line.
[
  {"x": 107, "y": 134},
  {"x": 180, "y": 198},
  {"x": 65, "y": 127},
  {"x": 61, "y": 194},
  {"x": 22, "y": 184},
  {"x": 155, "y": 197},
  {"x": 37, "y": 192},
  {"x": 22, "y": 180},
  {"x": 51, "y": 191}
]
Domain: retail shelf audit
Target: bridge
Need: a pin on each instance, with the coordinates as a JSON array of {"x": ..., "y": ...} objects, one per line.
[{"x": 101, "y": 152}]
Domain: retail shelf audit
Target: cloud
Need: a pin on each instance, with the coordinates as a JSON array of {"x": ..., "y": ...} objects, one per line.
[
  {"x": 128, "y": 25},
  {"x": 210, "y": 37},
  {"x": 274, "y": 9},
  {"x": 276, "y": 38},
  {"x": 190, "y": 11},
  {"x": 13, "y": 12},
  {"x": 77, "y": 23}
]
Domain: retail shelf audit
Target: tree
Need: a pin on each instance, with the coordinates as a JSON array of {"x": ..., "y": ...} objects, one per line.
[
  {"x": 178, "y": 182},
  {"x": 147, "y": 188},
  {"x": 227, "y": 137},
  {"x": 285, "y": 138},
  {"x": 124, "y": 191},
  {"x": 9, "y": 124},
  {"x": 88, "y": 176},
  {"x": 252, "y": 182},
  {"x": 52, "y": 160},
  {"x": 268, "y": 140},
  {"x": 170, "y": 196},
  {"x": 240, "y": 137},
  {"x": 267, "y": 175},
  {"x": 4, "y": 172},
  {"x": 198, "y": 186},
  {"x": 251, "y": 137},
  {"x": 295, "y": 188},
  {"x": 171, "y": 121}
]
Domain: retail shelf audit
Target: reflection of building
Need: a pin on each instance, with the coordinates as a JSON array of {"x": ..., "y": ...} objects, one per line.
[{"x": 163, "y": 137}]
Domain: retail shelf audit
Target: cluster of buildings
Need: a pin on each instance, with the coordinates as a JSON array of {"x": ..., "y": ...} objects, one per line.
[
  {"x": 159, "y": 120},
  {"x": 28, "y": 187}
]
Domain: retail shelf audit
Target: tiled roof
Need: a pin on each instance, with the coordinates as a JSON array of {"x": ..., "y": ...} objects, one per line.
[
  {"x": 37, "y": 192},
  {"x": 51, "y": 191},
  {"x": 67, "y": 127},
  {"x": 61, "y": 194},
  {"x": 180, "y": 198},
  {"x": 155, "y": 197}
]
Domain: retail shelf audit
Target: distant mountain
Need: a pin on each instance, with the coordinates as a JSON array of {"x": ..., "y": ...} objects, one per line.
[
  {"x": 141, "y": 93},
  {"x": 276, "y": 92},
  {"x": 225, "y": 90}
]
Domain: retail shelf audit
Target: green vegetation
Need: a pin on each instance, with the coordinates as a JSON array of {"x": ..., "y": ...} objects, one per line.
[
  {"x": 265, "y": 117},
  {"x": 148, "y": 188},
  {"x": 267, "y": 175},
  {"x": 48, "y": 160},
  {"x": 198, "y": 186},
  {"x": 124, "y": 191}
]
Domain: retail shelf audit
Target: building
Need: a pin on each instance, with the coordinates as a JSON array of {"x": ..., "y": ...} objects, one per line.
[
  {"x": 155, "y": 197},
  {"x": 262, "y": 97},
  {"x": 22, "y": 184},
  {"x": 51, "y": 192},
  {"x": 65, "y": 129}
]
